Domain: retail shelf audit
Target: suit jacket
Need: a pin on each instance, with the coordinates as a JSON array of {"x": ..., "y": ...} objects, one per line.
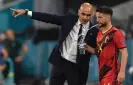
[{"x": 67, "y": 23}]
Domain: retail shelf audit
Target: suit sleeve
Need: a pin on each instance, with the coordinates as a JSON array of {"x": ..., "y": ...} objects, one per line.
[
  {"x": 119, "y": 40},
  {"x": 48, "y": 18}
]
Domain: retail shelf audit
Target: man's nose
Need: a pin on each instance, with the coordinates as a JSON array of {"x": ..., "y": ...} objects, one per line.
[{"x": 85, "y": 17}]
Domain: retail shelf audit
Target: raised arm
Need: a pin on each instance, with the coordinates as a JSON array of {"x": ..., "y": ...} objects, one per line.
[{"x": 44, "y": 17}]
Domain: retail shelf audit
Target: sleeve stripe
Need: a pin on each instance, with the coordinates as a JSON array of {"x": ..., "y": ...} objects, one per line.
[{"x": 122, "y": 47}]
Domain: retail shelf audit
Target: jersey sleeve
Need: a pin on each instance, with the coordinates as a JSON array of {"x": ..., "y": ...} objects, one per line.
[{"x": 119, "y": 39}]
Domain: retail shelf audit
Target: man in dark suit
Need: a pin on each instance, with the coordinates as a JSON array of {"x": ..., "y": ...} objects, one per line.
[{"x": 68, "y": 63}]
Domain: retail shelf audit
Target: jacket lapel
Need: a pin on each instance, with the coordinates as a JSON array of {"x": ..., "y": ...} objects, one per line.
[{"x": 88, "y": 32}]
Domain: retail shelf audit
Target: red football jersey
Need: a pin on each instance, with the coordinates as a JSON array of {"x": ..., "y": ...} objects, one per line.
[{"x": 108, "y": 45}]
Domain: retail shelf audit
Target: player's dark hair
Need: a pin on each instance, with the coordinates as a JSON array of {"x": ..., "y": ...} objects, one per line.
[{"x": 105, "y": 10}]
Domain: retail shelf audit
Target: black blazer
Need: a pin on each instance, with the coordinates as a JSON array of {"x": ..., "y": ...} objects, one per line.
[{"x": 67, "y": 23}]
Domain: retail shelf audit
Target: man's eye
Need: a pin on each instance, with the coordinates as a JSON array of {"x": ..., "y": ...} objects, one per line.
[
  {"x": 88, "y": 15},
  {"x": 83, "y": 14}
]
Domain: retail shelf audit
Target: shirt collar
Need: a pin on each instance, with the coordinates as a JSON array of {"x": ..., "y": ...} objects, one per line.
[{"x": 84, "y": 25}]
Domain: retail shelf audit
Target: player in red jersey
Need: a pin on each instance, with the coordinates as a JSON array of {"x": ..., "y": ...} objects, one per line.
[{"x": 110, "y": 41}]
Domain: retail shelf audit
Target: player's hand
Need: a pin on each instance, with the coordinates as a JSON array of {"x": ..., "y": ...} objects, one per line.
[
  {"x": 85, "y": 46},
  {"x": 18, "y": 12},
  {"x": 121, "y": 77}
]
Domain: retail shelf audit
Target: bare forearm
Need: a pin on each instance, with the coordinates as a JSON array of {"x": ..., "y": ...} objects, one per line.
[
  {"x": 124, "y": 60},
  {"x": 90, "y": 49},
  {"x": 123, "y": 63}
]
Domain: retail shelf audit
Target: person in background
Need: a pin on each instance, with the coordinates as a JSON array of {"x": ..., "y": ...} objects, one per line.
[
  {"x": 6, "y": 68},
  {"x": 16, "y": 52},
  {"x": 2, "y": 38}
]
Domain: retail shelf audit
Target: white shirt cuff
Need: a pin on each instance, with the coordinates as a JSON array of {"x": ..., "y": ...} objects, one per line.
[{"x": 29, "y": 13}]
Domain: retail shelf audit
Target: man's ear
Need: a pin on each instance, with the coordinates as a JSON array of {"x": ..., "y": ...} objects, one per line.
[{"x": 79, "y": 12}]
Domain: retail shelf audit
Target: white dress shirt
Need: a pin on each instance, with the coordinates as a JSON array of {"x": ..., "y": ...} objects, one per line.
[
  {"x": 69, "y": 49},
  {"x": 29, "y": 13}
]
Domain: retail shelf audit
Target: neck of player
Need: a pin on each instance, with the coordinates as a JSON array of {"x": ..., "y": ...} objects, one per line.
[{"x": 106, "y": 28}]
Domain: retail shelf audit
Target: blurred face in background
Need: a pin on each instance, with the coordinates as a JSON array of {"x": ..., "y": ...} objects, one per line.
[
  {"x": 85, "y": 13},
  {"x": 102, "y": 19},
  {"x": 2, "y": 37},
  {"x": 10, "y": 35},
  {"x": 4, "y": 53}
]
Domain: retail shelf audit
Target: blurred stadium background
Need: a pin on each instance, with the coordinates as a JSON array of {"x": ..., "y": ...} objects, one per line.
[{"x": 41, "y": 37}]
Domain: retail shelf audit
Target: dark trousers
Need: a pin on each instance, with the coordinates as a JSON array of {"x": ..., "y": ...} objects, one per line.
[
  {"x": 70, "y": 72},
  {"x": 83, "y": 73},
  {"x": 18, "y": 72}
]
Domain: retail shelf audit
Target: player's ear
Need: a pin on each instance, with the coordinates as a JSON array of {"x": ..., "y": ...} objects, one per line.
[{"x": 107, "y": 17}]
